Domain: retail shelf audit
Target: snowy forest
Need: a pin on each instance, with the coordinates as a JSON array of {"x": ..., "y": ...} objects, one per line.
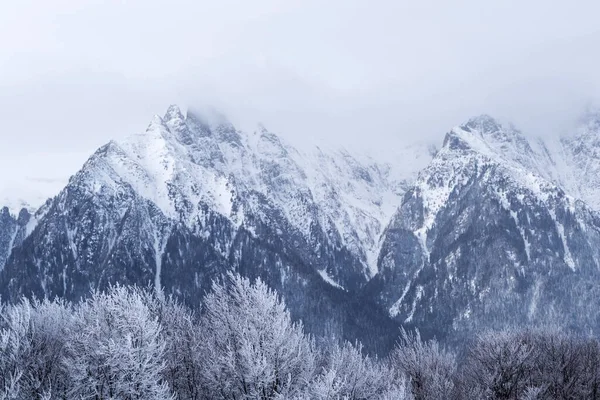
[{"x": 132, "y": 343}]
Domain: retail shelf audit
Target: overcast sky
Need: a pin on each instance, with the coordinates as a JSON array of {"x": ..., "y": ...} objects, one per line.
[{"x": 367, "y": 74}]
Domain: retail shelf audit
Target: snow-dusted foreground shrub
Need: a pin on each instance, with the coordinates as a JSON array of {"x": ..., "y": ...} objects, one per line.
[{"x": 129, "y": 343}]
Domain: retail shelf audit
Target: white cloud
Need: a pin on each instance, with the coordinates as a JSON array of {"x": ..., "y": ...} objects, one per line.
[{"x": 363, "y": 73}]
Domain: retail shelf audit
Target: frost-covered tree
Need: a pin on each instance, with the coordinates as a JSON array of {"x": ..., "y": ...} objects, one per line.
[
  {"x": 429, "y": 368},
  {"x": 590, "y": 364},
  {"x": 566, "y": 365},
  {"x": 345, "y": 373},
  {"x": 251, "y": 348},
  {"x": 15, "y": 324},
  {"x": 46, "y": 374},
  {"x": 542, "y": 364},
  {"x": 116, "y": 350},
  {"x": 182, "y": 337},
  {"x": 32, "y": 341},
  {"x": 130, "y": 343},
  {"x": 500, "y": 365},
  {"x": 559, "y": 367}
]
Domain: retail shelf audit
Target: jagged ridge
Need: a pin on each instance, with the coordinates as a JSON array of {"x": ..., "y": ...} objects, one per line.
[{"x": 487, "y": 237}]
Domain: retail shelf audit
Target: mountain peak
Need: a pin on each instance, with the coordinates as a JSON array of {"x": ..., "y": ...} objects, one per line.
[
  {"x": 173, "y": 113},
  {"x": 176, "y": 123},
  {"x": 483, "y": 124},
  {"x": 489, "y": 132}
]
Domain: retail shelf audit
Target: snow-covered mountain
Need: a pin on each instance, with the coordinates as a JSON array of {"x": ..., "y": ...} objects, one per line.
[
  {"x": 496, "y": 227},
  {"x": 193, "y": 196},
  {"x": 490, "y": 234}
]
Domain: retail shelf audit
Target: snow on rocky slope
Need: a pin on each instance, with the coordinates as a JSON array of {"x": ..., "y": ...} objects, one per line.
[
  {"x": 187, "y": 164},
  {"x": 184, "y": 164},
  {"x": 493, "y": 233}
]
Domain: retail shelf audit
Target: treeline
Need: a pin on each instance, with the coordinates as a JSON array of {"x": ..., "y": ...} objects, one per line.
[{"x": 130, "y": 343}]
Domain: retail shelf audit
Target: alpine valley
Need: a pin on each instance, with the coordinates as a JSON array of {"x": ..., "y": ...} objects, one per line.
[{"x": 494, "y": 228}]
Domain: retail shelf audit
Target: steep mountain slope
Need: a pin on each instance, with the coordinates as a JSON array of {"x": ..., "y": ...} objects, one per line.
[
  {"x": 192, "y": 196},
  {"x": 486, "y": 237}
]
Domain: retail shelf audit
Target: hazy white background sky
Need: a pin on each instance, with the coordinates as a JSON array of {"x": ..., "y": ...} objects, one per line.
[{"x": 75, "y": 74}]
